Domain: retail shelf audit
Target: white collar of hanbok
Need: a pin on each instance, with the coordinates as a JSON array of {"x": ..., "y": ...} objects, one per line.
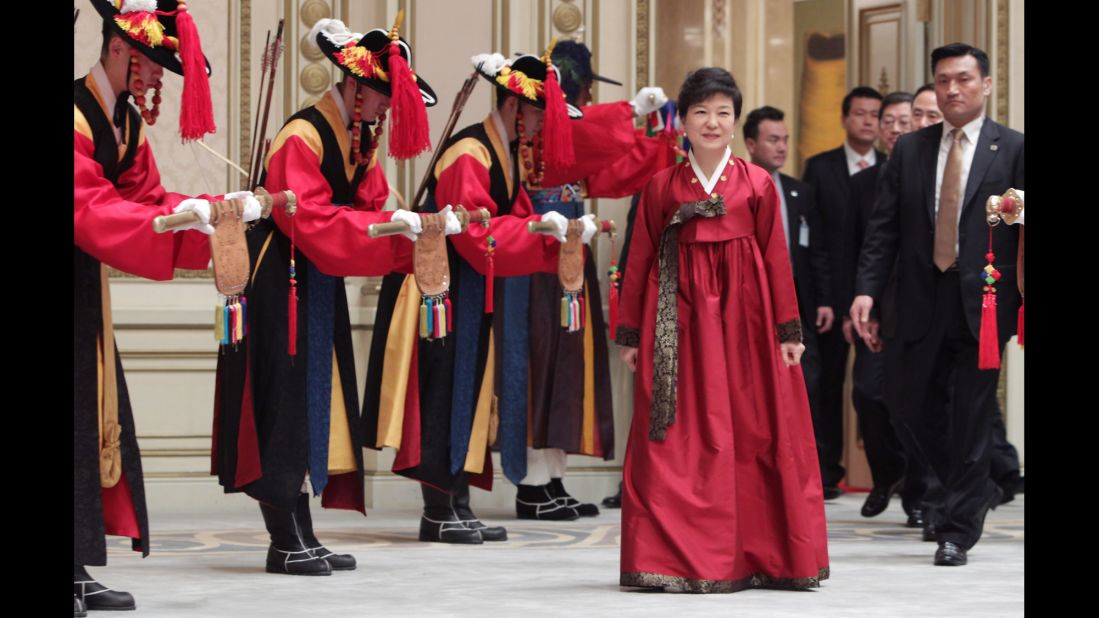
[{"x": 708, "y": 184}]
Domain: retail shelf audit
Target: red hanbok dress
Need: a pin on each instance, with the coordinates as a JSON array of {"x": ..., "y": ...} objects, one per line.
[{"x": 721, "y": 484}]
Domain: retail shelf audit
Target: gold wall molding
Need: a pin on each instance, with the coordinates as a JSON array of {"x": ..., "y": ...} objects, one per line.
[
  {"x": 642, "y": 43},
  {"x": 923, "y": 10},
  {"x": 175, "y": 452},
  {"x": 505, "y": 20},
  {"x": 1003, "y": 63},
  {"x": 567, "y": 18},
  {"x": 312, "y": 11},
  {"x": 315, "y": 79},
  {"x": 310, "y": 50},
  {"x": 245, "y": 68}
]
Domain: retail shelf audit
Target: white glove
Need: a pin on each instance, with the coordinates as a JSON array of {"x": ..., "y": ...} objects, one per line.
[
  {"x": 252, "y": 208},
  {"x": 453, "y": 225},
  {"x": 589, "y": 228},
  {"x": 200, "y": 207},
  {"x": 560, "y": 221},
  {"x": 1022, "y": 215},
  {"x": 648, "y": 100},
  {"x": 413, "y": 221}
]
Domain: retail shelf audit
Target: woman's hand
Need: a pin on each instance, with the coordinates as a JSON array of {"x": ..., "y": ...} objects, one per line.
[
  {"x": 791, "y": 353},
  {"x": 629, "y": 356}
]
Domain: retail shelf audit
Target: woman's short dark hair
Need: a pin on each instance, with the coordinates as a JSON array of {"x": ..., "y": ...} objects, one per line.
[{"x": 705, "y": 83}]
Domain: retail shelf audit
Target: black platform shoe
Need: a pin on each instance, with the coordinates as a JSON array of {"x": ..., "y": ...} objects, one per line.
[
  {"x": 338, "y": 562},
  {"x": 95, "y": 595},
  {"x": 469, "y": 520},
  {"x": 557, "y": 490},
  {"x": 79, "y": 610},
  {"x": 536, "y": 502},
  {"x": 288, "y": 553},
  {"x": 440, "y": 523}
]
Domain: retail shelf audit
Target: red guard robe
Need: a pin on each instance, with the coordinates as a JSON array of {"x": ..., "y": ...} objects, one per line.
[
  {"x": 112, "y": 225},
  {"x": 277, "y": 417}
]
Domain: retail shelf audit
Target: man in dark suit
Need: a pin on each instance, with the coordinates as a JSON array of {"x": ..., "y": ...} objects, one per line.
[
  {"x": 930, "y": 213},
  {"x": 829, "y": 174},
  {"x": 884, "y": 451},
  {"x": 766, "y": 138}
]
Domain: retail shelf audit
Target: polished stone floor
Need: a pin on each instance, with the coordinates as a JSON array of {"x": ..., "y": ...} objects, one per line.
[{"x": 211, "y": 565}]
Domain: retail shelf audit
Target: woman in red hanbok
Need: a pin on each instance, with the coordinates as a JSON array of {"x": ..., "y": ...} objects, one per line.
[{"x": 722, "y": 486}]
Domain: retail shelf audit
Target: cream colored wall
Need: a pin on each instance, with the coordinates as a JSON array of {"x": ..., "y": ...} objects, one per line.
[{"x": 164, "y": 328}]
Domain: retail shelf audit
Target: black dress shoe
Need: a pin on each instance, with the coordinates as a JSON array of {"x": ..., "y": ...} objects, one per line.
[
  {"x": 79, "y": 610},
  {"x": 878, "y": 499},
  {"x": 536, "y": 502},
  {"x": 915, "y": 519},
  {"x": 615, "y": 501},
  {"x": 97, "y": 596},
  {"x": 304, "y": 519},
  {"x": 557, "y": 490},
  {"x": 440, "y": 523},
  {"x": 832, "y": 492},
  {"x": 950, "y": 554},
  {"x": 929, "y": 533},
  {"x": 288, "y": 553}
]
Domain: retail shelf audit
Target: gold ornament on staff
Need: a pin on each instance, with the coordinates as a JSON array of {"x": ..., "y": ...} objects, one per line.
[{"x": 1007, "y": 207}]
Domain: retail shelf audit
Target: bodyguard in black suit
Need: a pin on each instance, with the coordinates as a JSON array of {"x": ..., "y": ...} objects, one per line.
[
  {"x": 829, "y": 174},
  {"x": 929, "y": 212},
  {"x": 884, "y": 452},
  {"x": 766, "y": 139}
]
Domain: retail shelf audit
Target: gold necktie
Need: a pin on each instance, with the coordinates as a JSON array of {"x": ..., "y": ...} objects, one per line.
[{"x": 946, "y": 224}]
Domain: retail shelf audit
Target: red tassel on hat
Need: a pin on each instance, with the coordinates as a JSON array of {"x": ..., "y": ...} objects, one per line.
[
  {"x": 409, "y": 134},
  {"x": 556, "y": 132},
  {"x": 196, "y": 112}
]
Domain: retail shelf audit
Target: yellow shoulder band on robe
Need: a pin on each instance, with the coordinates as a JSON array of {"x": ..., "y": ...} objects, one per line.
[
  {"x": 499, "y": 143},
  {"x": 80, "y": 123},
  {"x": 466, "y": 146},
  {"x": 479, "y": 436},
  {"x": 328, "y": 108},
  {"x": 587, "y": 431},
  {"x": 301, "y": 129},
  {"x": 341, "y": 457},
  {"x": 396, "y": 364},
  {"x": 89, "y": 82},
  {"x": 110, "y": 456}
]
